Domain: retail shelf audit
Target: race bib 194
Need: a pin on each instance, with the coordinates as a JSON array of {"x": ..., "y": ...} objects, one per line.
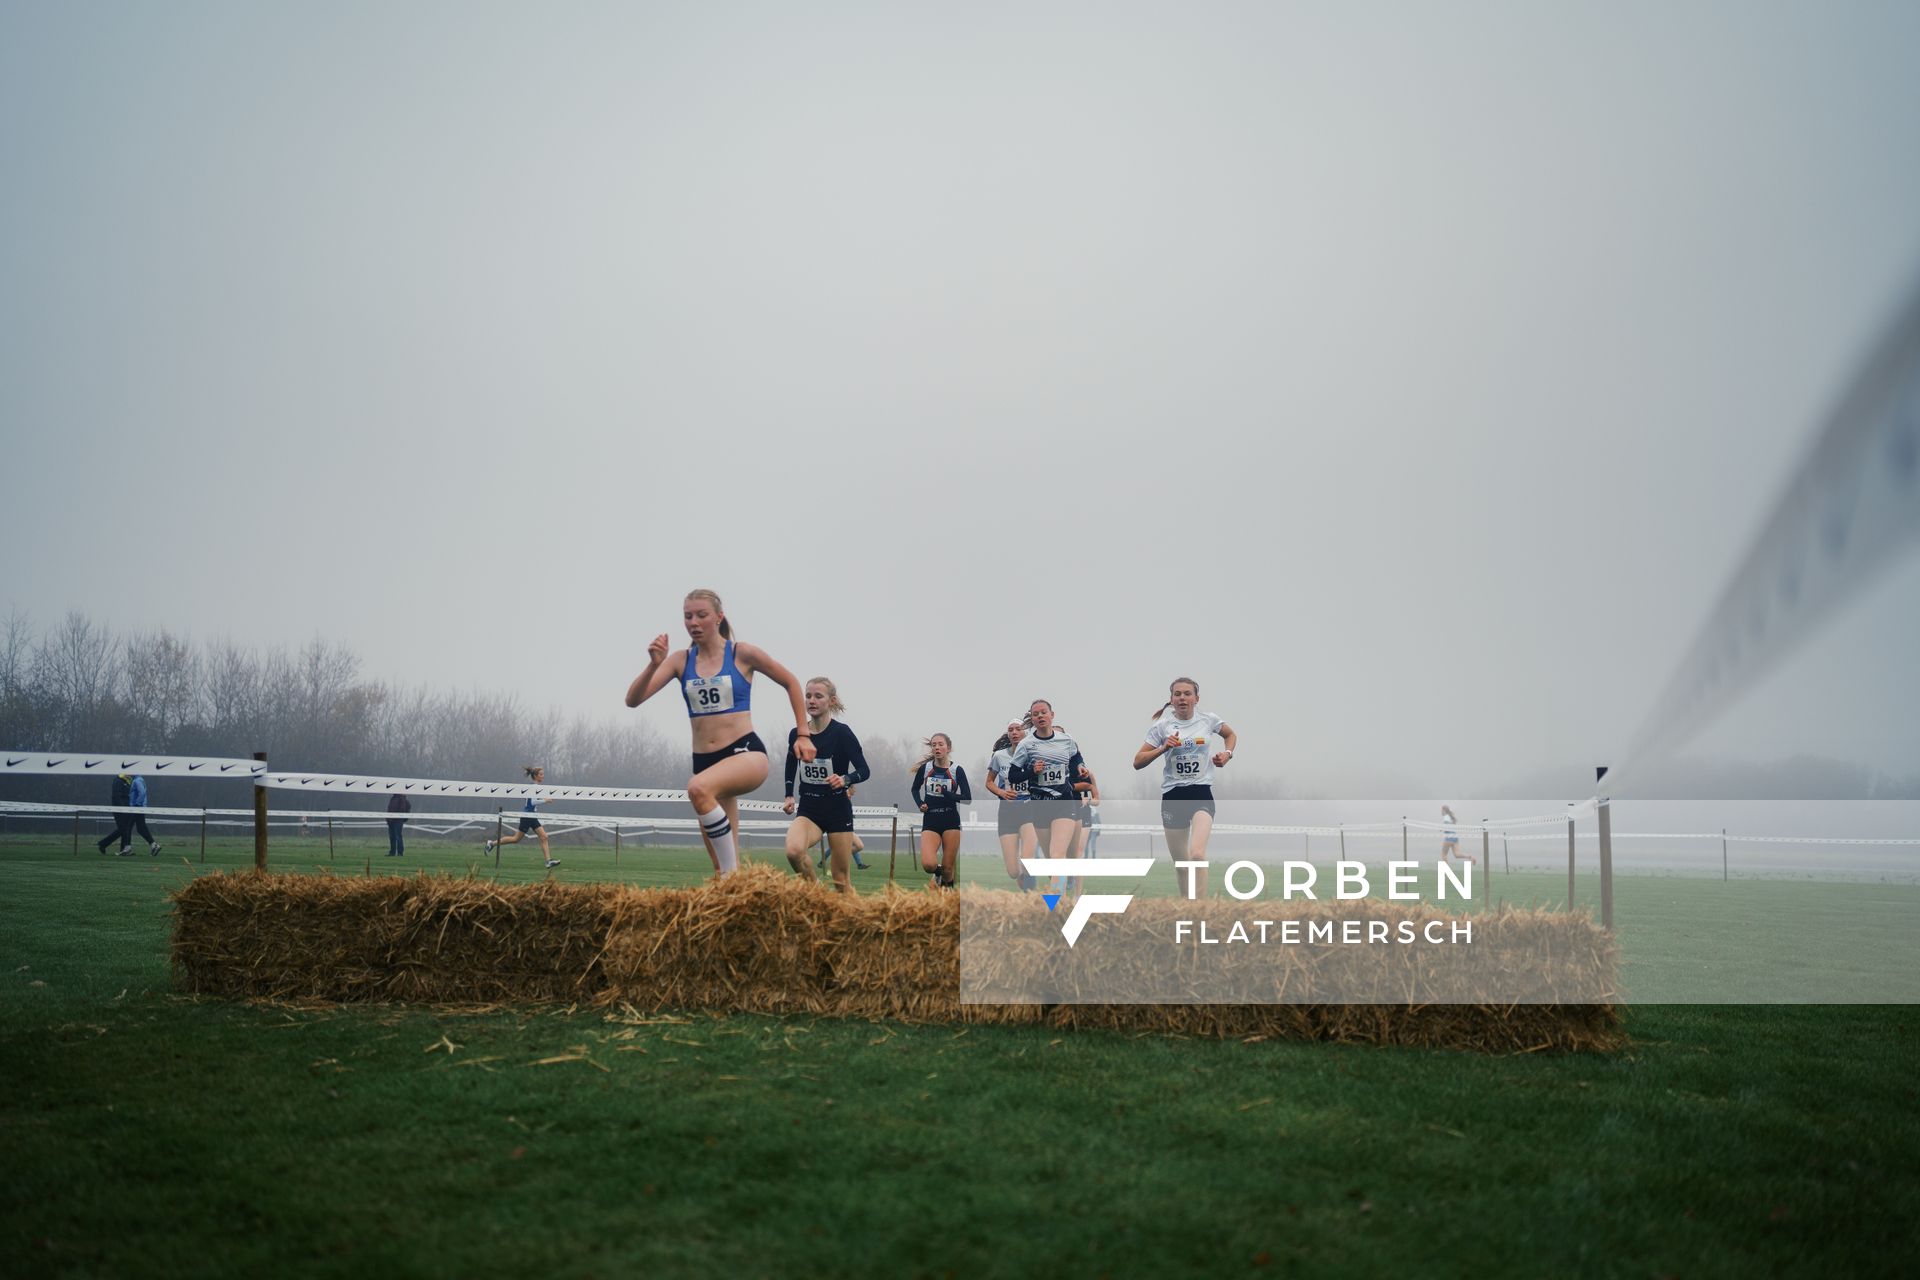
[{"x": 1051, "y": 774}]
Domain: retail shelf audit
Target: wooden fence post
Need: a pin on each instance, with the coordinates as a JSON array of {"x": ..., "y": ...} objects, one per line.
[
  {"x": 1606, "y": 852},
  {"x": 1569, "y": 862},
  {"x": 259, "y": 820},
  {"x": 1486, "y": 859}
]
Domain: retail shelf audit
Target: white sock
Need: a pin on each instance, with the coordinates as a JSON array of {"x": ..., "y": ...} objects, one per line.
[{"x": 720, "y": 832}]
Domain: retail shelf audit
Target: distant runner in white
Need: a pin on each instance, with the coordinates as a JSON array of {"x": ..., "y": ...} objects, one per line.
[{"x": 1193, "y": 743}]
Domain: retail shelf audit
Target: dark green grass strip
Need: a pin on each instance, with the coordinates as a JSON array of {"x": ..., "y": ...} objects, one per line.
[{"x": 150, "y": 1134}]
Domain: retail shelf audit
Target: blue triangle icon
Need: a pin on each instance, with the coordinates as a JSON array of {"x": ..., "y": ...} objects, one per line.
[{"x": 1053, "y": 900}]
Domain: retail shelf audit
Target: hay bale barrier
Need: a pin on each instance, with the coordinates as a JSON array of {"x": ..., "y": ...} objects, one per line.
[
  {"x": 760, "y": 941},
  {"x": 429, "y": 939}
]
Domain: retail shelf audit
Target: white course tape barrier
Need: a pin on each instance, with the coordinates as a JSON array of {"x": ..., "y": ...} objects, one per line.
[
  {"x": 1734, "y": 839},
  {"x": 867, "y": 819},
  {"x": 870, "y": 820},
  {"x": 107, "y": 765},
  {"x": 346, "y": 783},
  {"x": 1852, "y": 506}
]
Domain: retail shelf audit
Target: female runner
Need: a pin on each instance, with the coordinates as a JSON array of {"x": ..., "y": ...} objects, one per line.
[
  {"x": 729, "y": 760},
  {"x": 1182, "y": 734},
  {"x": 940, "y": 788},
  {"x": 1450, "y": 836},
  {"x": 529, "y": 824},
  {"x": 859, "y": 847},
  {"x": 1049, "y": 760},
  {"x": 1012, "y": 796},
  {"x": 824, "y": 805}
]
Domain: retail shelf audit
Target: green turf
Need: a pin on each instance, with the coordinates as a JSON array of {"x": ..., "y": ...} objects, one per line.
[{"x": 147, "y": 1133}]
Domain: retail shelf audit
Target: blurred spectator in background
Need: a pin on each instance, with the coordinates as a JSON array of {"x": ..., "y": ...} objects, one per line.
[
  {"x": 396, "y": 844},
  {"x": 130, "y": 792}
]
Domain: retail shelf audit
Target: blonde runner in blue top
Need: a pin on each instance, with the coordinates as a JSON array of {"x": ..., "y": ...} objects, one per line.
[{"x": 716, "y": 679}]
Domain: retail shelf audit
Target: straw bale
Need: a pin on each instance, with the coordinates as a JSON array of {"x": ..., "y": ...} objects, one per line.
[{"x": 763, "y": 942}]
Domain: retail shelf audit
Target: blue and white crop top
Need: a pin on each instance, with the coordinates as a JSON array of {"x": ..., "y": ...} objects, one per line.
[{"x": 726, "y": 691}]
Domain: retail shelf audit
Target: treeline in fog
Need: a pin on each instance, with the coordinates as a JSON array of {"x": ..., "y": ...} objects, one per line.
[{"x": 78, "y": 685}]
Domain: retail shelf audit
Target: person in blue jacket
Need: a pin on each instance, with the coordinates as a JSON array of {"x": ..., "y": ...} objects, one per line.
[{"x": 130, "y": 792}]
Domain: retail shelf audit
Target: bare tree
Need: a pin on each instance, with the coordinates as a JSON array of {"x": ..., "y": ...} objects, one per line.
[
  {"x": 19, "y": 712},
  {"x": 227, "y": 679},
  {"x": 78, "y": 666},
  {"x": 16, "y": 655},
  {"x": 162, "y": 677}
]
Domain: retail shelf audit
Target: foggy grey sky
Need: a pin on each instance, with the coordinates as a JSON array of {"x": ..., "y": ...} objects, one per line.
[{"x": 1412, "y": 378}]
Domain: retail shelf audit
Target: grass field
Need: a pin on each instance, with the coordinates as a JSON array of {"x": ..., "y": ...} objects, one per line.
[{"x": 148, "y": 1133}]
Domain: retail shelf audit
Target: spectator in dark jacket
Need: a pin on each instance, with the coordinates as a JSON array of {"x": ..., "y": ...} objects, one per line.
[
  {"x": 130, "y": 792},
  {"x": 396, "y": 846}
]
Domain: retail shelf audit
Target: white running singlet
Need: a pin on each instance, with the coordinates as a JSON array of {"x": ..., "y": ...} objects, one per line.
[{"x": 1189, "y": 763}]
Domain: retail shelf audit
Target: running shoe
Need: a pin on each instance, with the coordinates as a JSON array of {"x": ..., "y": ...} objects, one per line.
[
  {"x": 552, "y": 862},
  {"x": 488, "y": 847},
  {"x": 154, "y": 850}
]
